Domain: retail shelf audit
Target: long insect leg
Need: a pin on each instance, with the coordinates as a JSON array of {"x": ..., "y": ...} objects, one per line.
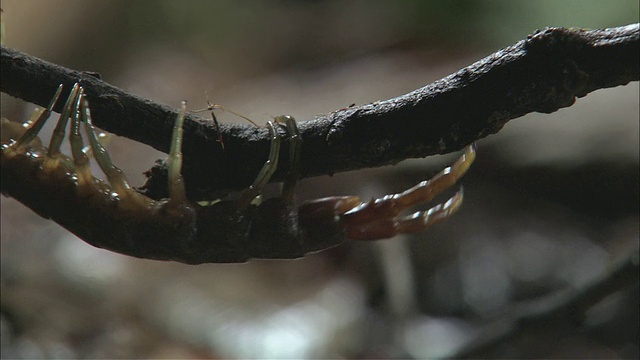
[
  {"x": 218, "y": 106},
  {"x": 295, "y": 148},
  {"x": 215, "y": 122},
  {"x": 211, "y": 107},
  {"x": 268, "y": 169}
]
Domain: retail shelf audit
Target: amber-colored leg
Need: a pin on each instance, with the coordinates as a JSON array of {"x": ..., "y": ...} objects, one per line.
[
  {"x": 421, "y": 220},
  {"x": 377, "y": 219}
]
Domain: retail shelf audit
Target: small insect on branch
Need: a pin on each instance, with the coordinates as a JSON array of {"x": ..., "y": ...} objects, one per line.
[{"x": 210, "y": 107}]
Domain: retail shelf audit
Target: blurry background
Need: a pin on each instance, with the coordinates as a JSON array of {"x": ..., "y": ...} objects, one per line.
[{"x": 550, "y": 202}]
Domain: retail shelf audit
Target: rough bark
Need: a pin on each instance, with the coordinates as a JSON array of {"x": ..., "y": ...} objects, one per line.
[{"x": 543, "y": 73}]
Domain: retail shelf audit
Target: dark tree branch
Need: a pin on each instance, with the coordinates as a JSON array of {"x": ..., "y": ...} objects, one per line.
[
  {"x": 564, "y": 306},
  {"x": 542, "y": 73}
]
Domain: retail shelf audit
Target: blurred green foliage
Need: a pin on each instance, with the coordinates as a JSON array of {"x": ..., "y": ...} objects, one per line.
[{"x": 492, "y": 23}]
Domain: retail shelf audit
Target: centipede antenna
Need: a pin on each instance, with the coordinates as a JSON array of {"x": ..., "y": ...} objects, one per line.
[
  {"x": 33, "y": 131},
  {"x": 58, "y": 133}
]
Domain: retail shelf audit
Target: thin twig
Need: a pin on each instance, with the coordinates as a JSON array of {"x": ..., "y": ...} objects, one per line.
[
  {"x": 542, "y": 73},
  {"x": 570, "y": 304}
]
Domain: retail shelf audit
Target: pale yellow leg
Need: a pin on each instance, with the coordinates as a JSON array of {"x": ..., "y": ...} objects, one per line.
[
  {"x": 295, "y": 149},
  {"x": 80, "y": 159},
  {"x": 54, "y": 157},
  {"x": 177, "y": 192},
  {"x": 116, "y": 177},
  {"x": 58, "y": 133},
  {"x": 33, "y": 131},
  {"x": 268, "y": 169}
]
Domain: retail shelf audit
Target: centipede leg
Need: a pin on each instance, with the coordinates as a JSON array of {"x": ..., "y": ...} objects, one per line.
[
  {"x": 58, "y": 133},
  {"x": 53, "y": 157},
  {"x": 426, "y": 190},
  {"x": 177, "y": 192},
  {"x": 295, "y": 148},
  {"x": 268, "y": 169},
  {"x": 378, "y": 218},
  {"x": 392, "y": 205},
  {"x": 33, "y": 131},
  {"x": 80, "y": 159},
  {"x": 421, "y": 220},
  {"x": 115, "y": 176}
]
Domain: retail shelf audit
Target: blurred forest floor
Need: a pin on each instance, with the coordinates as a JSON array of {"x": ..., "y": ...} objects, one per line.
[{"x": 551, "y": 202}]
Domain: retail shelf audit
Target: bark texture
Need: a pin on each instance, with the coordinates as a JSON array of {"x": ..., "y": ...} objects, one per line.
[{"x": 542, "y": 73}]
